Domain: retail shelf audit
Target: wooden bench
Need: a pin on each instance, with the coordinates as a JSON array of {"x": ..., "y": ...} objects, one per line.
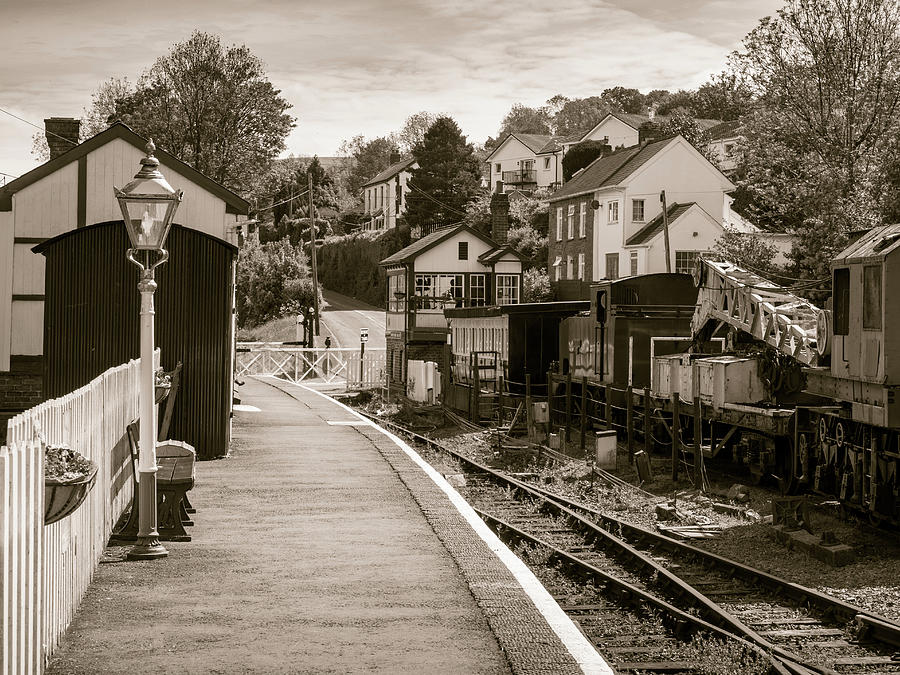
[{"x": 175, "y": 475}]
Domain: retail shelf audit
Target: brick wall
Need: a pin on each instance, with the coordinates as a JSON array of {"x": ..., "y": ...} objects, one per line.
[
  {"x": 396, "y": 364},
  {"x": 571, "y": 287},
  {"x": 21, "y": 388}
]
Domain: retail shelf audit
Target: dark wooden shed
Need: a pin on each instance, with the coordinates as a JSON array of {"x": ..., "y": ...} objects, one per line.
[{"x": 91, "y": 321}]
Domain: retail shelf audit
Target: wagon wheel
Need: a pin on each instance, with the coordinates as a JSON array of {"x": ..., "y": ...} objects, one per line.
[
  {"x": 823, "y": 430},
  {"x": 839, "y": 434},
  {"x": 786, "y": 465}
]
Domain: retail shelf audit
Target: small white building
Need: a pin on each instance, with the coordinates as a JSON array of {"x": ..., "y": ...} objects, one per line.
[{"x": 384, "y": 196}]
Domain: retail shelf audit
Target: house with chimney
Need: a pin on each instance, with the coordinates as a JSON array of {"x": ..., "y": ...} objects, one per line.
[
  {"x": 384, "y": 195},
  {"x": 454, "y": 266},
  {"x": 607, "y": 222},
  {"x": 69, "y": 303}
]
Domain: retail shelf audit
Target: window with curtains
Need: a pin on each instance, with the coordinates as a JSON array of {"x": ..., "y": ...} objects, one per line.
[
  {"x": 559, "y": 223},
  {"x": 581, "y": 266},
  {"x": 612, "y": 265},
  {"x": 437, "y": 291},
  {"x": 582, "y": 216},
  {"x": 570, "y": 222}
]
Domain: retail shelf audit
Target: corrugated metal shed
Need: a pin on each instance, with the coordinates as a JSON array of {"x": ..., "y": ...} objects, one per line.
[{"x": 91, "y": 321}]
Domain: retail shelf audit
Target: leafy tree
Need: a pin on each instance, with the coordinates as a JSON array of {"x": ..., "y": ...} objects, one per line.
[
  {"x": 531, "y": 210},
  {"x": 212, "y": 107},
  {"x": 748, "y": 251},
  {"x": 536, "y": 285},
  {"x": 525, "y": 120},
  {"x": 447, "y": 179},
  {"x": 579, "y": 114},
  {"x": 623, "y": 99},
  {"x": 580, "y": 155},
  {"x": 478, "y": 212},
  {"x": 816, "y": 161},
  {"x": 723, "y": 97},
  {"x": 98, "y": 117},
  {"x": 530, "y": 243},
  {"x": 680, "y": 121},
  {"x": 272, "y": 280},
  {"x": 414, "y": 129},
  {"x": 368, "y": 159}
]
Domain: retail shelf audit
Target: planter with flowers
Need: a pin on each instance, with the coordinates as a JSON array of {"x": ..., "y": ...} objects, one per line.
[{"x": 68, "y": 478}]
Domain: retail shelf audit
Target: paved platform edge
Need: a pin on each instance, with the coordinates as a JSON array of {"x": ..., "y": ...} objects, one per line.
[{"x": 529, "y": 625}]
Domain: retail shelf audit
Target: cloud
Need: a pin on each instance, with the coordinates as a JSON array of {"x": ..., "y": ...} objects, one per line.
[{"x": 361, "y": 66}]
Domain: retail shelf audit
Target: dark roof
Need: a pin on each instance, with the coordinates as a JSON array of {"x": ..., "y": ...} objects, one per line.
[
  {"x": 390, "y": 172},
  {"x": 557, "y": 308},
  {"x": 233, "y": 203},
  {"x": 610, "y": 169},
  {"x": 497, "y": 253},
  {"x": 534, "y": 142},
  {"x": 655, "y": 226},
  {"x": 420, "y": 246},
  {"x": 876, "y": 243},
  {"x": 725, "y": 130}
]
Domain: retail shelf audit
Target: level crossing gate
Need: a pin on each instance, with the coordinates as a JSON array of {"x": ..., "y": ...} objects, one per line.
[{"x": 350, "y": 367}]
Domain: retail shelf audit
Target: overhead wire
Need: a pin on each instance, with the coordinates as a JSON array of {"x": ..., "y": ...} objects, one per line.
[
  {"x": 67, "y": 140},
  {"x": 435, "y": 200}
]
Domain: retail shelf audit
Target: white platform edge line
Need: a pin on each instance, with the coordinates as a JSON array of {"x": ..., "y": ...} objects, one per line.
[{"x": 588, "y": 658}]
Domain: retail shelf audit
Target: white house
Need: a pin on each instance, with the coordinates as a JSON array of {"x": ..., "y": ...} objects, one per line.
[
  {"x": 725, "y": 140},
  {"x": 516, "y": 163},
  {"x": 606, "y": 222},
  {"x": 384, "y": 196}
]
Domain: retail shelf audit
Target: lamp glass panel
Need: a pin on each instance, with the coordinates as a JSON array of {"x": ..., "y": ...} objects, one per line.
[{"x": 147, "y": 223}]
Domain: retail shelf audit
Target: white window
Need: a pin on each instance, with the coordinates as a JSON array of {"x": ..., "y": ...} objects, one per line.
[
  {"x": 556, "y": 273},
  {"x": 634, "y": 263},
  {"x": 559, "y": 223},
  {"x": 507, "y": 289},
  {"x": 684, "y": 261},
  {"x": 570, "y": 222},
  {"x": 637, "y": 210},
  {"x": 613, "y": 212},
  {"x": 546, "y": 162},
  {"x": 436, "y": 291},
  {"x": 570, "y": 268},
  {"x": 582, "y": 215},
  {"x": 612, "y": 265},
  {"x": 397, "y": 293},
  {"x": 581, "y": 266},
  {"x": 477, "y": 290}
]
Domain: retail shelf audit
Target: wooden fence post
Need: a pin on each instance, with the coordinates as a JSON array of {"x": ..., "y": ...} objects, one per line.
[
  {"x": 629, "y": 424},
  {"x": 568, "y": 403},
  {"x": 529, "y": 413},
  {"x": 549, "y": 401},
  {"x": 607, "y": 393},
  {"x": 477, "y": 392},
  {"x": 676, "y": 434},
  {"x": 647, "y": 427}
]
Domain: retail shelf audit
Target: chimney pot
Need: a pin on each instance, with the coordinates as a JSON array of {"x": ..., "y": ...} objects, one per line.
[
  {"x": 500, "y": 217},
  {"x": 62, "y": 134},
  {"x": 395, "y": 157}
]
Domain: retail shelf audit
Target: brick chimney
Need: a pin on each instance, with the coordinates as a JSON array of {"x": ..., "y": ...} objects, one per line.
[
  {"x": 648, "y": 131},
  {"x": 395, "y": 157},
  {"x": 62, "y": 134},
  {"x": 500, "y": 217}
]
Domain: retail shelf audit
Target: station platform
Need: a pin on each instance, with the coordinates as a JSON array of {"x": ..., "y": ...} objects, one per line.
[{"x": 322, "y": 544}]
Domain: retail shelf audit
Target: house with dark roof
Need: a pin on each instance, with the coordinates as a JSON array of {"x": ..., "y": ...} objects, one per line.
[
  {"x": 725, "y": 140},
  {"x": 606, "y": 222},
  {"x": 69, "y": 303},
  {"x": 384, "y": 195},
  {"x": 516, "y": 163},
  {"x": 455, "y": 266}
]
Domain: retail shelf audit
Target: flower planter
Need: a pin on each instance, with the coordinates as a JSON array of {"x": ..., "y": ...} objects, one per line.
[{"x": 62, "y": 497}]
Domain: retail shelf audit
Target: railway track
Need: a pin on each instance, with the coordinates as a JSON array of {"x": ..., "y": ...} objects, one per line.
[{"x": 693, "y": 590}]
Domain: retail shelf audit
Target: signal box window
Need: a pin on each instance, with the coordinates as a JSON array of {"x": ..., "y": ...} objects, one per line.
[
  {"x": 477, "y": 290},
  {"x": 872, "y": 297},
  {"x": 507, "y": 289},
  {"x": 841, "y": 301},
  {"x": 685, "y": 261}
]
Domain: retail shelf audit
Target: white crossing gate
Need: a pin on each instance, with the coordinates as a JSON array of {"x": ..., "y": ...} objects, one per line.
[{"x": 341, "y": 366}]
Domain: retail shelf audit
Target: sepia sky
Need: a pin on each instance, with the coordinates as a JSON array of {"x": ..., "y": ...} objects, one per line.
[{"x": 362, "y": 66}]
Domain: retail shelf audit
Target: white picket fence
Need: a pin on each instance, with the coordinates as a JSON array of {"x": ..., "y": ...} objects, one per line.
[
  {"x": 340, "y": 366},
  {"x": 45, "y": 570}
]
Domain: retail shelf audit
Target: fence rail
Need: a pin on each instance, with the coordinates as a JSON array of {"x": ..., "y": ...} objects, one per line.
[
  {"x": 45, "y": 570},
  {"x": 337, "y": 366}
]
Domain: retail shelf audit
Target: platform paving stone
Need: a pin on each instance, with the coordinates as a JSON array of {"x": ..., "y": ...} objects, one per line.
[{"x": 318, "y": 548}]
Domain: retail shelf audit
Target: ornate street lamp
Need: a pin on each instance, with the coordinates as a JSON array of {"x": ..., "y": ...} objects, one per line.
[{"x": 148, "y": 205}]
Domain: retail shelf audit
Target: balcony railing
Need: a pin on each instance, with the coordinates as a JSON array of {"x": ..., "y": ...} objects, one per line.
[{"x": 521, "y": 177}]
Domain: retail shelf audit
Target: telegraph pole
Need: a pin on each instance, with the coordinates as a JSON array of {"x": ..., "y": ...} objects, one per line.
[
  {"x": 665, "y": 215},
  {"x": 312, "y": 256}
]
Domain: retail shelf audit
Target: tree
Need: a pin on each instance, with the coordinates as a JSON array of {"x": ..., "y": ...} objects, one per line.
[
  {"x": 447, "y": 179},
  {"x": 748, "y": 251},
  {"x": 530, "y": 243},
  {"x": 272, "y": 280},
  {"x": 211, "y": 107},
  {"x": 579, "y": 114},
  {"x": 623, "y": 99},
  {"x": 536, "y": 286},
  {"x": 580, "y": 155},
  {"x": 525, "y": 120},
  {"x": 826, "y": 78},
  {"x": 413, "y": 130},
  {"x": 680, "y": 121},
  {"x": 368, "y": 159},
  {"x": 98, "y": 117},
  {"x": 723, "y": 97},
  {"x": 478, "y": 212}
]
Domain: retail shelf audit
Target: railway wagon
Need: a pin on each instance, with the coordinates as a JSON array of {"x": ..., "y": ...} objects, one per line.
[{"x": 630, "y": 321}]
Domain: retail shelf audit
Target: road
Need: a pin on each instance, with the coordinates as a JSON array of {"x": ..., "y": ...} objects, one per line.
[{"x": 343, "y": 316}]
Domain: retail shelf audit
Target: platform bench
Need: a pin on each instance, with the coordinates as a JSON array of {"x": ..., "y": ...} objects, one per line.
[{"x": 175, "y": 475}]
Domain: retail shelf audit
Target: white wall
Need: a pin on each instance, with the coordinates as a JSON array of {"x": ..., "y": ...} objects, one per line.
[
  {"x": 444, "y": 258},
  {"x": 619, "y": 133},
  {"x": 510, "y": 157},
  {"x": 6, "y": 284},
  {"x": 693, "y": 231}
]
